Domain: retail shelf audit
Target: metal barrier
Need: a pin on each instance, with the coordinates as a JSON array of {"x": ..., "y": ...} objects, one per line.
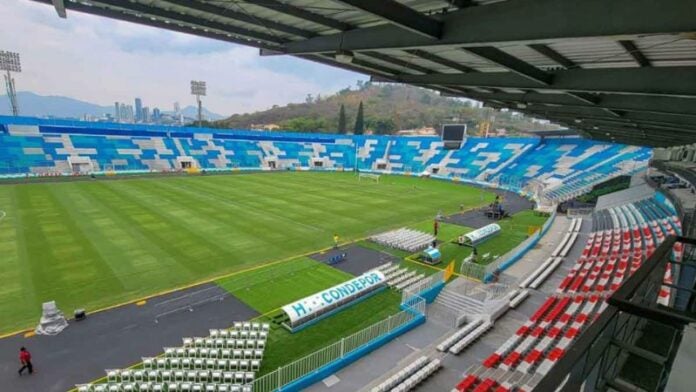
[
  {"x": 511, "y": 257},
  {"x": 413, "y": 308},
  {"x": 575, "y": 212},
  {"x": 423, "y": 285},
  {"x": 473, "y": 270}
]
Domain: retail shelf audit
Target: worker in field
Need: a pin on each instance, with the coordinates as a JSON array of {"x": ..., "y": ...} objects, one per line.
[
  {"x": 436, "y": 227},
  {"x": 335, "y": 239},
  {"x": 25, "y": 360}
]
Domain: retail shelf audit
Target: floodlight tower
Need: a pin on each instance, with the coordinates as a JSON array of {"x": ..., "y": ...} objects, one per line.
[
  {"x": 198, "y": 89},
  {"x": 9, "y": 62}
]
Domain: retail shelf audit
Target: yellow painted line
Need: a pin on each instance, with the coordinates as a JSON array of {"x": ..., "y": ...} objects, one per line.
[
  {"x": 7, "y": 335},
  {"x": 29, "y": 334},
  {"x": 260, "y": 266}
]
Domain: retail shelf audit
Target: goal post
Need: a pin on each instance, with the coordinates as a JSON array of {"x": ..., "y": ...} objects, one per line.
[{"x": 368, "y": 177}]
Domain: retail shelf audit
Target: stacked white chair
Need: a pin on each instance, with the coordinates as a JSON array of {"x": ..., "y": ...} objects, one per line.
[{"x": 225, "y": 361}]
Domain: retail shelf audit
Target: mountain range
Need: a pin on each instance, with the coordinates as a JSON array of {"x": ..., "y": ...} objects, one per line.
[{"x": 35, "y": 105}]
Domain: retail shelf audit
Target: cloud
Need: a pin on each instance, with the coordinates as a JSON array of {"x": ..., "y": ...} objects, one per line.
[{"x": 102, "y": 60}]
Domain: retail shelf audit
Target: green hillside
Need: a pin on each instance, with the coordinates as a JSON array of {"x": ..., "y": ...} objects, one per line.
[{"x": 388, "y": 108}]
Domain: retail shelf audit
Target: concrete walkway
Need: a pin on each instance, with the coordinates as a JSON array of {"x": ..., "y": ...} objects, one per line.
[
  {"x": 381, "y": 364},
  {"x": 117, "y": 338}
]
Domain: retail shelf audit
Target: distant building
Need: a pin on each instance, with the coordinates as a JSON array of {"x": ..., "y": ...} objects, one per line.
[
  {"x": 145, "y": 115},
  {"x": 424, "y": 131},
  {"x": 265, "y": 127},
  {"x": 126, "y": 114},
  {"x": 138, "y": 109},
  {"x": 156, "y": 115},
  {"x": 117, "y": 112}
]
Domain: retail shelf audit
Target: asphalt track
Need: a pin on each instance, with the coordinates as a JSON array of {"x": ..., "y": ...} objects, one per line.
[
  {"x": 117, "y": 338},
  {"x": 358, "y": 259},
  {"x": 512, "y": 203}
]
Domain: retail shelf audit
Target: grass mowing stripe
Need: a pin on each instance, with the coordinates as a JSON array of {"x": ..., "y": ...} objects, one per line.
[
  {"x": 180, "y": 235},
  {"x": 212, "y": 196},
  {"x": 123, "y": 247},
  {"x": 271, "y": 288},
  {"x": 170, "y": 235}
]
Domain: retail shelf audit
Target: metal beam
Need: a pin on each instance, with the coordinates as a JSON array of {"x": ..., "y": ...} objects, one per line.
[
  {"x": 511, "y": 63},
  {"x": 626, "y": 134},
  {"x": 633, "y": 50},
  {"x": 521, "y": 21},
  {"x": 652, "y": 81},
  {"x": 356, "y": 66},
  {"x": 59, "y": 5},
  {"x": 400, "y": 15},
  {"x": 545, "y": 50},
  {"x": 688, "y": 135},
  {"x": 223, "y": 12},
  {"x": 147, "y": 11},
  {"x": 301, "y": 13},
  {"x": 668, "y": 106},
  {"x": 440, "y": 60},
  {"x": 629, "y": 118},
  {"x": 397, "y": 61},
  {"x": 108, "y": 13}
]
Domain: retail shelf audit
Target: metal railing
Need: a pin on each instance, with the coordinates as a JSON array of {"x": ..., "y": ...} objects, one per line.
[
  {"x": 482, "y": 273},
  {"x": 414, "y": 308}
]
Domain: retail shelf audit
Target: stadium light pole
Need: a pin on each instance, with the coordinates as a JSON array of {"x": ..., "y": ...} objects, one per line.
[
  {"x": 9, "y": 62},
  {"x": 198, "y": 88}
]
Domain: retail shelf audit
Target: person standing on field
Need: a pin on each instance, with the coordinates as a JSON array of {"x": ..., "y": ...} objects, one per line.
[
  {"x": 436, "y": 226},
  {"x": 25, "y": 359},
  {"x": 335, "y": 238}
]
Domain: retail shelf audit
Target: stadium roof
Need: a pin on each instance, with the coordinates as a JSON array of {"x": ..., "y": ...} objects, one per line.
[{"x": 622, "y": 70}]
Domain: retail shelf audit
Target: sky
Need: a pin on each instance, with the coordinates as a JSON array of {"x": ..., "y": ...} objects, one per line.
[{"x": 101, "y": 60}]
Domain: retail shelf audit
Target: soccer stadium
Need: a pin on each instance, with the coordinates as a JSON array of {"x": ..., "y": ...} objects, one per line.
[{"x": 160, "y": 258}]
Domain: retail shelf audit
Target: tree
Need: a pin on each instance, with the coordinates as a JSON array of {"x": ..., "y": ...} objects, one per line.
[
  {"x": 359, "y": 121},
  {"x": 342, "y": 120}
]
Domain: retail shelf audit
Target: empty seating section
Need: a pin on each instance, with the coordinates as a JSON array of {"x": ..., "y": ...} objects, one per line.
[
  {"x": 46, "y": 149},
  {"x": 405, "y": 239},
  {"x": 224, "y": 361},
  {"x": 400, "y": 278},
  {"x": 482, "y": 159},
  {"x": 621, "y": 239},
  {"x": 565, "y": 166},
  {"x": 410, "y": 376},
  {"x": 541, "y": 273},
  {"x": 465, "y": 336}
]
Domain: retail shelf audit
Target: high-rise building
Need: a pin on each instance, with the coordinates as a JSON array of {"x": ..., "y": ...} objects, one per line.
[
  {"x": 145, "y": 115},
  {"x": 138, "y": 109},
  {"x": 126, "y": 113},
  {"x": 117, "y": 112},
  {"x": 156, "y": 115}
]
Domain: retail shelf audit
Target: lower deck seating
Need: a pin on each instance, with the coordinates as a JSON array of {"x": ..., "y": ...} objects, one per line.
[
  {"x": 565, "y": 167},
  {"x": 621, "y": 239}
]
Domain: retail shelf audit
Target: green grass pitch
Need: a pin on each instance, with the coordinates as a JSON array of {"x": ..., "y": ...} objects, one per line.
[
  {"x": 268, "y": 289},
  {"x": 91, "y": 244}
]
